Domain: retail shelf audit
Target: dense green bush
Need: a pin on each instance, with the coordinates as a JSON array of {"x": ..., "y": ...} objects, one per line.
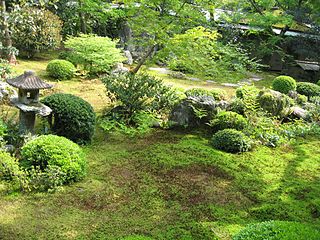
[
  {"x": 34, "y": 29},
  {"x": 308, "y": 89},
  {"x": 61, "y": 69},
  {"x": 228, "y": 119},
  {"x": 301, "y": 99},
  {"x": 284, "y": 84},
  {"x": 95, "y": 54},
  {"x": 217, "y": 94},
  {"x": 50, "y": 151},
  {"x": 275, "y": 103},
  {"x": 139, "y": 92},
  {"x": 9, "y": 166},
  {"x": 231, "y": 140},
  {"x": 237, "y": 105},
  {"x": 278, "y": 230},
  {"x": 71, "y": 117}
]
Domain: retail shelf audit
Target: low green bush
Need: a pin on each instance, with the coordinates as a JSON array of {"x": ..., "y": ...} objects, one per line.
[
  {"x": 54, "y": 152},
  {"x": 61, "y": 69},
  {"x": 228, "y": 119},
  {"x": 237, "y": 105},
  {"x": 308, "y": 89},
  {"x": 284, "y": 84},
  {"x": 301, "y": 99},
  {"x": 72, "y": 117},
  {"x": 217, "y": 94},
  {"x": 9, "y": 166},
  {"x": 275, "y": 103},
  {"x": 231, "y": 140},
  {"x": 278, "y": 230}
]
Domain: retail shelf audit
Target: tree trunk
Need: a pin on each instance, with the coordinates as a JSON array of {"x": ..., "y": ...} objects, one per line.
[
  {"x": 83, "y": 23},
  {"x": 143, "y": 59},
  {"x": 7, "y": 42}
]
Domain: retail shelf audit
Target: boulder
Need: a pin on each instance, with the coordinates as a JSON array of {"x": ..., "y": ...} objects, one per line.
[
  {"x": 119, "y": 69},
  {"x": 129, "y": 57},
  {"x": 178, "y": 75},
  {"x": 299, "y": 112},
  {"x": 274, "y": 102},
  {"x": 7, "y": 93},
  {"x": 184, "y": 113}
]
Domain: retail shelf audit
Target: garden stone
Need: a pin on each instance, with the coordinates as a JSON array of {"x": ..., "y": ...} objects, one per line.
[
  {"x": 183, "y": 114},
  {"x": 119, "y": 69},
  {"x": 9, "y": 148},
  {"x": 7, "y": 93},
  {"x": 178, "y": 75},
  {"x": 129, "y": 57},
  {"x": 299, "y": 112},
  {"x": 274, "y": 102}
]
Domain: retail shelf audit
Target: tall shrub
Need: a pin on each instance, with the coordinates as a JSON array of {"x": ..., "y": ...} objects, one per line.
[{"x": 95, "y": 54}]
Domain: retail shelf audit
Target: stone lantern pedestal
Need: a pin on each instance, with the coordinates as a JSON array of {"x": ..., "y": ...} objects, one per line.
[{"x": 27, "y": 102}]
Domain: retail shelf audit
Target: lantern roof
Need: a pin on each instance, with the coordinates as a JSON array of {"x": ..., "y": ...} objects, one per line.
[{"x": 28, "y": 81}]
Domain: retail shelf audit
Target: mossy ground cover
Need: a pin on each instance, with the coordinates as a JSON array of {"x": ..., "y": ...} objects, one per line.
[
  {"x": 170, "y": 180},
  {"x": 166, "y": 185}
]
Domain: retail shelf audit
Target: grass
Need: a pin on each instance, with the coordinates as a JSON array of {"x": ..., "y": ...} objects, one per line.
[{"x": 166, "y": 185}]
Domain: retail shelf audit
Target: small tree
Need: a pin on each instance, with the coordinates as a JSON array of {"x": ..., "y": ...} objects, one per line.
[
  {"x": 34, "y": 30},
  {"x": 95, "y": 54}
]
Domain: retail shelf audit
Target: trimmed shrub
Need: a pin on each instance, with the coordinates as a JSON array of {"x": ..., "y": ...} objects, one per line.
[
  {"x": 308, "y": 89},
  {"x": 247, "y": 92},
  {"x": 284, "y": 84},
  {"x": 231, "y": 140},
  {"x": 72, "y": 117},
  {"x": 50, "y": 151},
  {"x": 278, "y": 230},
  {"x": 275, "y": 103},
  {"x": 237, "y": 105},
  {"x": 228, "y": 119},
  {"x": 8, "y": 166},
  {"x": 217, "y": 94},
  {"x": 61, "y": 69}
]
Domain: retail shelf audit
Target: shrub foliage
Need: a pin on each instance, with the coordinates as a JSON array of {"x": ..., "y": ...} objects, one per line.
[
  {"x": 8, "y": 166},
  {"x": 96, "y": 54},
  {"x": 228, "y": 119},
  {"x": 284, "y": 84},
  {"x": 50, "y": 151},
  {"x": 217, "y": 94},
  {"x": 231, "y": 140},
  {"x": 61, "y": 69},
  {"x": 308, "y": 89},
  {"x": 72, "y": 117}
]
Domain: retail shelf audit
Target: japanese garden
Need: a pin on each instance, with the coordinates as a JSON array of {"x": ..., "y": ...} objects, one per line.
[{"x": 160, "y": 120}]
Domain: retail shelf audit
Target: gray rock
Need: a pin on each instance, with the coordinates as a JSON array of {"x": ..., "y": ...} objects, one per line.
[
  {"x": 129, "y": 57},
  {"x": 7, "y": 92},
  {"x": 299, "y": 112},
  {"x": 183, "y": 115},
  {"x": 178, "y": 75},
  {"x": 119, "y": 68}
]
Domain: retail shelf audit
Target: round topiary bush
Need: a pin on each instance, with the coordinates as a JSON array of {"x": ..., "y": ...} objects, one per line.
[
  {"x": 217, "y": 94},
  {"x": 9, "y": 166},
  {"x": 61, "y": 69},
  {"x": 72, "y": 117},
  {"x": 278, "y": 230},
  {"x": 48, "y": 151},
  {"x": 284, "y": 84},
  {"x": 231, "y": 140},
  {"x": 228, "y": 119},
  {"x": 308, "y": 89}
]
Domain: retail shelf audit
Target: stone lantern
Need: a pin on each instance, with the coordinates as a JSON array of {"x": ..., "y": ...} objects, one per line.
[{"x": 29, "y": 85}]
